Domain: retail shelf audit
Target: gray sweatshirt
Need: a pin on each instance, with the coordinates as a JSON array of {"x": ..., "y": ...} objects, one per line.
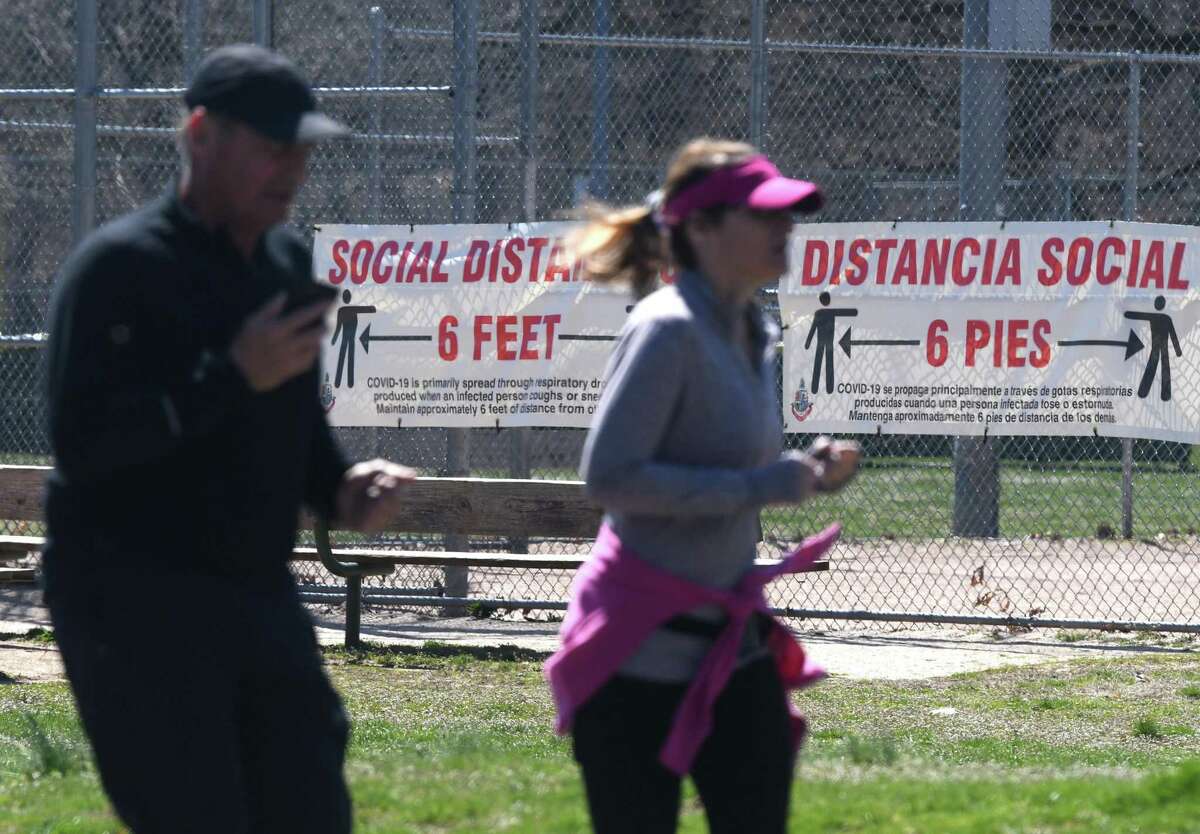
[{"x": 685, "y": 448}]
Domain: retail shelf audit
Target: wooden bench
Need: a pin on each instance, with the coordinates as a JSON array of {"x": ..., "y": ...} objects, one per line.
[{"x": 460, "y": 507}]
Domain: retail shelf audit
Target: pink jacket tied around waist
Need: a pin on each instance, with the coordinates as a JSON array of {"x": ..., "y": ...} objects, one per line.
[{"x": 618, "y": 599}]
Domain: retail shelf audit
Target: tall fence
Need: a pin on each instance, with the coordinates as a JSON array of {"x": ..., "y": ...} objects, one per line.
[{"x": 469, "y": 111}]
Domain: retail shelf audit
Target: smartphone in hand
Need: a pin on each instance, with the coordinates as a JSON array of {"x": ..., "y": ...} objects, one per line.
[
  {"x": 310, "y": 293},
  {"x": 303, "y": 295}
]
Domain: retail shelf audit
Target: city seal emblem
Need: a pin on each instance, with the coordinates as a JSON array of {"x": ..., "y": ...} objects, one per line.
[{"x": 802, "y": 406}]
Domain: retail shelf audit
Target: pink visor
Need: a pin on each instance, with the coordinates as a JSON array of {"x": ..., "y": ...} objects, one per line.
[{"x": 755, "y": 183}]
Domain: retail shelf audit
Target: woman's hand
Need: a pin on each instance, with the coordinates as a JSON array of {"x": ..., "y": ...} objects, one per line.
[
  {"x": 836, "y": 462},
  {"x": 825, "y": 466}
]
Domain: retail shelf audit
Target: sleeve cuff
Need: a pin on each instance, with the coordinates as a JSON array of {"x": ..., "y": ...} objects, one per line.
[
  {"x": 788, "y": 480},
  {"x": 217, "y": 369}
]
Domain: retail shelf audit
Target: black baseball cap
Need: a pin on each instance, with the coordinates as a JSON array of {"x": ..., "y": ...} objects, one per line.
[{"x": 262, "y": 89}]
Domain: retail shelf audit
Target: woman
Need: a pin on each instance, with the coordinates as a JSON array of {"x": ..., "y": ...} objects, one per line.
[{"x": 668, "y": 665}]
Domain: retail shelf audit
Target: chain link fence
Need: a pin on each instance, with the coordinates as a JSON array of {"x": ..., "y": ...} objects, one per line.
[{"x": 493, "y": 112}]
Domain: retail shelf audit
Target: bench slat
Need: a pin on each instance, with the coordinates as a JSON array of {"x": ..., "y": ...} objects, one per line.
[
  {"x": 18, "y": 546},
  {"x": 501, "y": 507},
  {"x": 15, "y": 544},
  {"x": 444, "y": 558},
  {"x": 483, "y": 506},
  {"x": 15, "y": 547},
  {"x": 21, "y": 489}
]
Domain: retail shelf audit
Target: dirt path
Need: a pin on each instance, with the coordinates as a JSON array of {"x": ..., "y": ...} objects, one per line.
[{"x": 889, "y": 653}]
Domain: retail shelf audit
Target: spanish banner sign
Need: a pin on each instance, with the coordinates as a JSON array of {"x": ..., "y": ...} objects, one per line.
[
  {"x": 975, "y": 328},
  {"x": 462, "y": 325}
]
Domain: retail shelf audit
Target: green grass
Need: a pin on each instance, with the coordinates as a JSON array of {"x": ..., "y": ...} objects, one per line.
[
  {"x": 25, "y": 459},
  {"x": 914, "y": 499},
  {"x": 873, "y": 750},
  {"x": 1073, "y": 636},
  {"x": 446, "y": 741},
  {"x": 1147, "y": 727},
  {"x": 38, "y": 636}
]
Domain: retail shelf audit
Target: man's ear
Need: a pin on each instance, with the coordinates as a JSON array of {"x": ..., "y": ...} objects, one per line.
[{"x": 199, "y": 131}]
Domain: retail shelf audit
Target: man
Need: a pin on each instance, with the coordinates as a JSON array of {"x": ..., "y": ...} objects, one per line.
[{"x": 187, "y": 433}]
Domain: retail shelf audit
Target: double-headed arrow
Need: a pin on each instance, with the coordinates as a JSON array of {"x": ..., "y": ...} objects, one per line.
[
  {"x": 845, "y": 342},
  {"x": 1132, "y": 345},
  {"x": 366, "y": 338}
]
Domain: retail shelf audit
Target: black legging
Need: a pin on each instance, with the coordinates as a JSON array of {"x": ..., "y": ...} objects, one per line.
[{"x": 743, "y": 771}]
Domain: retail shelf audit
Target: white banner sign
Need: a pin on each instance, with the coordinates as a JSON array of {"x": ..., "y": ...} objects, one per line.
[
  {"x": 967, "y": 328},
  {"x": 463, "y": 325}
]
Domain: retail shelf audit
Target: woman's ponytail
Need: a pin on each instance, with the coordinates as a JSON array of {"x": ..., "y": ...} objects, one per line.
[{"x": 621, "y": 246}]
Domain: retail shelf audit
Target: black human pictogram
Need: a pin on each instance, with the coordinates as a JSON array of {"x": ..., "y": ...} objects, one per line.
[
  {"x": 347, "y": 328},
  {"x": 1162, "y": 329},
  {"x": 824, "y": 322}
]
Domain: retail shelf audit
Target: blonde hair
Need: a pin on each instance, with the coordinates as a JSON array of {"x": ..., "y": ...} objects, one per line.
[{"x": 625, "y": 245}]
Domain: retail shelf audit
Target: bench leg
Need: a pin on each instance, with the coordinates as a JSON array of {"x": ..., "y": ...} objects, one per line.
[
  {"x": 456, "y": 579},
  {"x": 353, "y": 610}
]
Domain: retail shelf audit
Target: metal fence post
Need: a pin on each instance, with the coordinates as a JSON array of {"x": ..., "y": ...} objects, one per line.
[
  {"x": 1066, "y": 189},
  {"x": 601, "y": 101},
  {"x": 263, "y": 21},
  {"x": 758, "y": 75},
  {"x": 529, "y": 103},
  {"x": 466, "y": 92},
  {"x": 1129, "y": 206},
  {"x": 519, "y": 438},
  {"x": 983, "y": 156},
  {"x": 377, "y": 23},
  {"x": 1132, "y": 137},
  {"x": 463, "y": 194},
  {"x": 83, "y": 214},
  {"x": 374, "y": 148},
  {"x": 983, "y": 135},
  {"x": 193, "y": 36}
]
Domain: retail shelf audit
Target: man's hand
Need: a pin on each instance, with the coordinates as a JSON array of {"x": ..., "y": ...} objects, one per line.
[
  {"x": 370, "y": 494},
  {"x": 837, "y": 462},
  {"x": 273, "y": 346}
]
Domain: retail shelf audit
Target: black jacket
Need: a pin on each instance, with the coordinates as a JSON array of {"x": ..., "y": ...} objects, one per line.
[{"x": 165, "y": 458}]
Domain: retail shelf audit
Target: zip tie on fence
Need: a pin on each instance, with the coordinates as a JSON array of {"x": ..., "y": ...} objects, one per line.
[
  {"x": 1003, "y": 221},
  {"x": 894, "y": 222}
]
